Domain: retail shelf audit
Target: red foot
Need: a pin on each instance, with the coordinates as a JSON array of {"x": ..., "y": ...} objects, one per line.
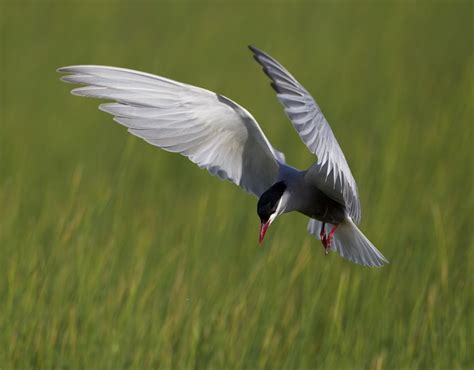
[{"x": 327, "y": 241}]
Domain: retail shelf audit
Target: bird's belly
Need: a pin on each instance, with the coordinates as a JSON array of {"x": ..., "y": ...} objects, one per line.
[
  {"x": 328, "y": 214},
  {"x": 323, "y": 208}
]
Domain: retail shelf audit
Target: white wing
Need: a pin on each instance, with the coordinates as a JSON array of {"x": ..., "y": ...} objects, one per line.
[
  {"x": 209, "y": 129},
  {"x": 331, "y": 172}
]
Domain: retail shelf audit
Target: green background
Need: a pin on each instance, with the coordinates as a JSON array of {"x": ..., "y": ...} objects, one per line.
[{"x": 115, "y": 254}]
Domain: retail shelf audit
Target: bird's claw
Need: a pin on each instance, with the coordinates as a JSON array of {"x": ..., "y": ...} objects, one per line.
[{"x": 327, "y": 245}]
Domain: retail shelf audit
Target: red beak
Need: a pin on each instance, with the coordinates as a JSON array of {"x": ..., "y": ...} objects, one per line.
[{"x": 263, "y": 230}]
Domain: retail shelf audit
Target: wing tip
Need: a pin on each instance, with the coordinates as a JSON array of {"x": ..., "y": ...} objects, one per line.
[
  {"x": 70, "y": 69},
  {"x": 70, "y": 79},
  {"x": 252, "y": 48},
  {"x": 63, "y": 69},
  {"x": 87, "y": 91},
  {"x": 257, "y": 54},
  {"x": 108, "y": 107},
  {"x": 78, "y": 92},
  {"x": 88, "y": 68}
]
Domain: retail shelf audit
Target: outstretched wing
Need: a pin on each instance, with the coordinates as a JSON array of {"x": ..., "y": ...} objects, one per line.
[
  {"x": 210, "y": 129},
  {"x": 331, "y": 172}
]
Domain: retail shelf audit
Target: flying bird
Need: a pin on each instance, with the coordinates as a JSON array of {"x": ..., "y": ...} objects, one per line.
[{"x": 224, "y": 138}]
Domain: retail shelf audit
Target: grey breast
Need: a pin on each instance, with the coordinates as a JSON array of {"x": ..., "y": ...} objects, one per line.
[
  {"x": 310, "y": 200},
  {"x": 323, "y": 208}
]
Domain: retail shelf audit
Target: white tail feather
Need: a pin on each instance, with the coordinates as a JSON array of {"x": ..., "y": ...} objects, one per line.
[{"x": 350, "y": 243}]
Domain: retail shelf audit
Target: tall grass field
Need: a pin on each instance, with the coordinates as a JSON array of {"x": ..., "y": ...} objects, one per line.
[{"x": 118, "y": 255}]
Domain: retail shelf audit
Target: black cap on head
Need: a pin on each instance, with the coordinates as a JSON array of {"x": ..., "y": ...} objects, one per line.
[{"x": 268, "y": 202}]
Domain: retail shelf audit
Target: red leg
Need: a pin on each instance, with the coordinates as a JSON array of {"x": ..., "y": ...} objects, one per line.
[
  {"x": 330, "y": 237},
  {"x": 322, "y": 234}
]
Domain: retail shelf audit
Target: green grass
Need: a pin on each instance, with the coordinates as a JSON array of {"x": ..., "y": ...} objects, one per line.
[{"x": 114, "y": 254}]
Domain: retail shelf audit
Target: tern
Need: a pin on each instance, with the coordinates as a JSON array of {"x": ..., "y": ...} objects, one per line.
[{"x": 222, "y": 137}]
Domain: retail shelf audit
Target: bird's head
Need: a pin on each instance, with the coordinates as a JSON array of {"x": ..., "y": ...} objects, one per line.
[{"x": 270, "y": 206}]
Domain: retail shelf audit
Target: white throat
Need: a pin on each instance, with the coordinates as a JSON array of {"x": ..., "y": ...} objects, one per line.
[{"x": 281, "y": 207}]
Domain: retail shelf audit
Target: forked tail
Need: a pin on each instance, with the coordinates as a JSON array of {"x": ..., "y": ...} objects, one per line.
[{"x": 350, "y": 243}]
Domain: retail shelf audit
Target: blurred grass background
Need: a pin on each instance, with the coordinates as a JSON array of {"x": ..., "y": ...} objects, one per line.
[{"x": 114, "y": 254}]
